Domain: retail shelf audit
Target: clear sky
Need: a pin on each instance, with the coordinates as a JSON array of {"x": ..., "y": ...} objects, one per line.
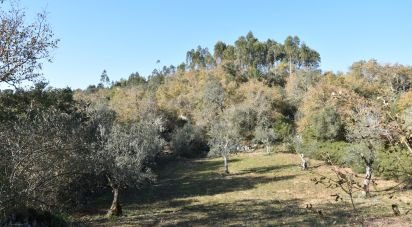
[{"x": 129, "y": 36}]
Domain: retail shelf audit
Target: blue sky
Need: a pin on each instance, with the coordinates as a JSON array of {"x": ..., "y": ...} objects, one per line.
[{"x": 129, "y": 36}]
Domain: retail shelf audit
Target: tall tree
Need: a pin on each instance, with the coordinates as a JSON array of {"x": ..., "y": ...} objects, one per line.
[
  {"x": 291, "y": 46},
  {"x": 241, "y": 52},
  {"x": 219, "y": 51},
  {"x": 308, "y": 58},
  {"x": 104, "y": 79},
  {"x": 199, "y": 59}
]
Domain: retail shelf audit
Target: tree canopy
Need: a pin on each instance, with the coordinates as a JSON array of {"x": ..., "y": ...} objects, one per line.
[{"x": 23, "y": 46}]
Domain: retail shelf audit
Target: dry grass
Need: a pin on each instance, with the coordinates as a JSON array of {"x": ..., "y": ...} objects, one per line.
[{"x": 261, "y": 190}]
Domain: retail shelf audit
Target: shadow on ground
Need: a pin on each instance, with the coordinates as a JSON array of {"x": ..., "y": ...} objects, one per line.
[
  {"x": 266, "y": 169},
  {"x": 239, "y": 213},
  {"x": 172, "y": 201},
  {"x": 181, "y": 198},
  {"x": 200, "y": 178}
]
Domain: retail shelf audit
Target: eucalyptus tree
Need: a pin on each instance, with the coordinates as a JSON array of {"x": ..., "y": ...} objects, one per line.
[
  {"x": 104, "y": 79},
  {"x": 219, "y": 51},
  {"x": 199, "y": 59},
  {"x": 253, "y": 48},
  {"x": 241, "y": 52},
  {"x": 308, "y": 57},
  {"x": 250, "y": 53},
  {"x": 291, "y": 47},
  {"x": 259, "y": 57},
  {"x": 275, "y": 53},
  {"x": 229, "y": 54}
]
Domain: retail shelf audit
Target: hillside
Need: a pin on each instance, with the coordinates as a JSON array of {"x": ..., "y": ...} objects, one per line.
[
  {"x": 262, "y": 189},
  {"x": 212, "y": 135},
  {"x": 65, "y": 148}
]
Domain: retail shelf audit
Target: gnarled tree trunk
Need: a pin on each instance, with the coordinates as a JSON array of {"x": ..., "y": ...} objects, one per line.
[
  {"x": 115, "y": 208},
  {"x": 367, "y": 180},
  {"x": 304, "y": 163},
  {"x": 226, "y": 164},
  {"x": 368, "y": 175}
]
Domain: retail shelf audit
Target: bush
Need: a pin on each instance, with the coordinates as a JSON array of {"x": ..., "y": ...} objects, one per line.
[
  {"x": 189, "y": 141},
  {"x": 332, "y": 152},
  {"x": 394, "y": 166},
  {"x": 31, "y": 217},
  {"x": 325, "y": 125},
  {"x": 41, "y": 157}
]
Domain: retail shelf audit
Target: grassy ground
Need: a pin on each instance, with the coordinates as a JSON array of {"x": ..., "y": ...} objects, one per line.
[{"x": 262, "y": 189}]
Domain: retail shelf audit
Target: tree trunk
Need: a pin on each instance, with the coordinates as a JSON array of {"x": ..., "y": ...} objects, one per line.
[
  {"x": 290, "y": 66},
  {"x": 267, "y": 145},
  {"x": 367, "y": 180},
  {"x": 115, "y": 209},
  {"x": 226, "y": 164},
  {"x": 368, "y": 173},
  {"x": 407, "y": 145},
  {"x": 304, "y": 163}
]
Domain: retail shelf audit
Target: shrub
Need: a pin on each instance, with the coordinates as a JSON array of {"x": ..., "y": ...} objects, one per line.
[
  {"x": 189, "y": 141},
  {"x": 332, "y": 152}
]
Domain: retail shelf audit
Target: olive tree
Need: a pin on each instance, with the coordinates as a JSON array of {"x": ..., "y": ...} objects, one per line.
[
  {"x": 214, "y": 96},
  {"x": 124, "y": 152},
  {"x": 224, "y": 139},
  {"x": 41, "y": 156},
  {"x": 367, "y": 129},
  {"x": 265, "y": 135}
]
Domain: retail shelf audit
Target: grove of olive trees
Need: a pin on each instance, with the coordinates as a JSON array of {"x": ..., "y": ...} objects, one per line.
[{"x": 62, "y": 149}]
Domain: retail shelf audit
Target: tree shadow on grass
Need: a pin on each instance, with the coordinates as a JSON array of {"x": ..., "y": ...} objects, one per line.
[
  {"x": 191, "y": 178},
  {"x": 266, "y": 169},
  {"x": 206, "y": 184},
  {"x": 242, "y": 213},
  {"x": 172, "y": 201}
]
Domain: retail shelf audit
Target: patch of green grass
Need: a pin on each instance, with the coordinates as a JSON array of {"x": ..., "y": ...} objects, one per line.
[{"x": 262, "y": 189}]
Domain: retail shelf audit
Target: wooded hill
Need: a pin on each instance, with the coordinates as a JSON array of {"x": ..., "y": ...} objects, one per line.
[{"x": 63, "y": 148}]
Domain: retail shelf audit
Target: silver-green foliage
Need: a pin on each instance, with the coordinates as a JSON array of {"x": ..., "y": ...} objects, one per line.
[
  {"x": 189, "y": 140},
  {"x": 224, "y": 138},
  {"x": 127, "y": 150},
  {"x": 265, "y": 135},
  {"x": 41, "y": 156}
]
